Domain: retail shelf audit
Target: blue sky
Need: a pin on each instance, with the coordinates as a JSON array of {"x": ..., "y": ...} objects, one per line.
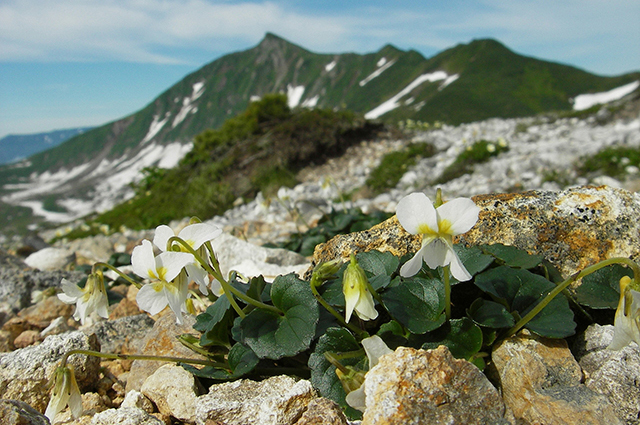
[{"x": 71, "y": 63}]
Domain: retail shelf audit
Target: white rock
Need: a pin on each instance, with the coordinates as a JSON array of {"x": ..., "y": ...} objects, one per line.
[
  {"x": 125, "y": 416},
  {"x": 173, "y": 390},
  {"x": 49, "y": 259},
  {"x": 136, "y": 399}
]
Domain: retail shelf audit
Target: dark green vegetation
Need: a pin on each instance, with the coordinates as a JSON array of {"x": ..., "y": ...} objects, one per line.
[
  {"x": 332, "y": 224},
  {"x": 480, "y": 151},
  {"x": 258, "y": 150},
  {"x": 395, "y": 164},
  {"x": 612, "y": 161}
]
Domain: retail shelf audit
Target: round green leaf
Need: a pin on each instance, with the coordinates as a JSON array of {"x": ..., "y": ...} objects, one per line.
[
  {"x": 513, "y": 256},
  {"x": 273, "y": 336},
  {"x": 601, "y": 289},
  {"x": 377, "y": 263},
  {"x": 416, "y": 303},
  {"x": 473, "y": 258},
  {"x": 490, "y": 314},
  {"x": 461, "y": 336}
]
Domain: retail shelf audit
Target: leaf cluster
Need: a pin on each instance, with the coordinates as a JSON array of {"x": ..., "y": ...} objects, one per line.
[
  {"x": 394, "y": 164},
  {"x": 478, "y": 152},
  {"x": 507, "y": 283},
  {"x": 612, "y": 161}
]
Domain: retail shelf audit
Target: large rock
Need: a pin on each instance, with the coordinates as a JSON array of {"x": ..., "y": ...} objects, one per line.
[
  {"x": 125, "y": 331},
  {"x": 412, "y": 386},
  {"x": 50, "y": 259},
  {"x": 613, "y": 373},
  {"x": 572, "y": 229},
  {"x": 125, "y": 416},
  {"x": 24, "y": 373},
  {"x": 279, "y": 400},
  {"x": 14, "y": 412},
  {"x": 541, "y": 383},
  {"x": 174, "y": 391}
]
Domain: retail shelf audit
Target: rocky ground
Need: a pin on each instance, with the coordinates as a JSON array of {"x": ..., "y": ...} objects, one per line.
[{"x": 37, "y": 327}]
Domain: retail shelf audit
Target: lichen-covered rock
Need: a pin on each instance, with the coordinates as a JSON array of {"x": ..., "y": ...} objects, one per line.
[
  {"x": 24, "y": 373},
  {"x": 541, "y": 383},
  {"x": 412, "y": 386},
  {"x": 572, "y": 229},
  {"x": 279, "y": 400},
  {"x": 322, "y": 411},
  {"x": 114, "y": 334},
  {"x": 613, "y": 373}
]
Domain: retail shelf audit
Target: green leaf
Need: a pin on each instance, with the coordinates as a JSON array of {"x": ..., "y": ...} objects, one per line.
[
  {"x": 377, "y": 263},
  {"x": 490, "y": 314},
  {"x": 309, "y": 244},
  {"x": 601, "y": 289},
  {"x": 242, "y": 360},
  {"x": 461, "y": 336},
  {"x": 273, "y": 336},
  {"x": 323, "y": 373},
  {"x": 214, "y": 323},
  {"x": 417, "y": 303},
  {"x": 256, "y": 286},
  {"x": 473, "y": 258},
  {"x": 520, "y": 290},
  {"x": 513, "y": 256}
]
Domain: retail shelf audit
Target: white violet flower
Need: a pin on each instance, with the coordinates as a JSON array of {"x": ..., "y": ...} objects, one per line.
[
  {"x": 356, "y": 294},
  {"x": 93, "y": 297},
  {"x": 168, "y": 285},
  {"x": 65, "y": 392},
  {"x": 195, "y": 235},
  {"x": 375, "y": 348},
  {"x": 627, "y": 319},
  {"x": 437, "y": 226}
]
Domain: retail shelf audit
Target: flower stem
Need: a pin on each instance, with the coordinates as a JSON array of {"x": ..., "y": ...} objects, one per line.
[
  {"x": 63, "y": 362},
  {"x": 352, "y": 328},
  {"x": 229, "y": 290},
  {"x": 546, "y": 300},
  {"x": 122, "y": 275},
  {"x": 447, "y": 291}
]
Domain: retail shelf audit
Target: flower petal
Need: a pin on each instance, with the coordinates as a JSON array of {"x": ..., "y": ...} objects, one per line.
[
  {"x": 458, "y": 270},
  {"x": 173, "y": 263},
  {"x": 461, "y": 214},
  {"x": 198, "y": 275},
  {"x": 375, "y": 348},
  {"x": 151, "y": 298},
  {"x": 356, "y": 399},
  {"x": 415, "y": 212},
  {"x": 143, "y": 261},
  {"x": 162, "y": 236},
  {"x": 365, "y": 308},
  {"x": 176, "y": 296},
  {"x": 70, "y": 291},
  {"x": 435, "y": 253},
  {"x": 199, "y": 233},
  {"x": 413, "y": 266}
]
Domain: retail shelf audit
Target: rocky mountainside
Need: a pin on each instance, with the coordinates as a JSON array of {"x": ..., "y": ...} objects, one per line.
[{"x": 465, "y": 83}]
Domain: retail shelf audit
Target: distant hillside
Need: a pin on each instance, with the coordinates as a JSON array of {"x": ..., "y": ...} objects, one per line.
[
  {"x": 15, "y": 147},
  {"x": 468, "y": 82}
]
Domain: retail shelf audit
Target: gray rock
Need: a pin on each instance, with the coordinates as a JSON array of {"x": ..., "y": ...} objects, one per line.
[
  {"x": 322, "y": 411},
  {"x": 613, "y": 373},
  {"x": 541, "y": 383},
  {"x": 125, "y": 416},
  {"x": 15, "y": 412},
  {"x": 412, "y": 386},
  {"x": 136, "y": 399},
  {"x": 24, "y": 373},
  {"x": 113, "y": 334},
  {"x": 50, "y": 259},
  {"x": 173, "y": 390},
  {"x": 279, "y": 400}
]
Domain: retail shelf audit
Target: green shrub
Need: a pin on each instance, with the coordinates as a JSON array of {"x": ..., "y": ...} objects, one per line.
[
  {"x": 395, "y": 164},
  {"x": 612, "y": 161},
  {"x": 480, "y": 151}
]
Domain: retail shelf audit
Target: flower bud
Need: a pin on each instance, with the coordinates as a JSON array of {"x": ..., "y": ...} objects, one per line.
[{"x": 356, "y": 293}]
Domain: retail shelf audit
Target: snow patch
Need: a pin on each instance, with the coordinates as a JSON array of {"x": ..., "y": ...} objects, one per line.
[
  {"x": 187, "y": 103},
  {"x": 586, "y": 101},
  {"x": 254, "y": 98},
  {"x": 381, "y": 62},
  {"x": 380, "y": 70},
  {"x": 311, "y": 102},
  {"x": 155, "y": 127},
  {"x": 392, "y": 103},
  {"x": 294, "y": 94},
  {"x": 328, "y": 67},
  {"x": 450, "y": 79}
]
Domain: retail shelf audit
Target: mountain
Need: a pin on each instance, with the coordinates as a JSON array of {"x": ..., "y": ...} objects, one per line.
[
  {"x": 468, "y": 82},
  {"x": 15, "y": 147}
]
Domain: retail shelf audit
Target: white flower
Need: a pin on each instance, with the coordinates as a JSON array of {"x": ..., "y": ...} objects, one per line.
[
  {"x": 356, "y": 294},
  {"x": 168, "y": 285},
  {"x": 93, "y": 297},
  {"x": 417, "y": 215},
  {"x": 195, "y": 235},
  {"x": 627, "y": 320},
  {"x": 65, "y": 392},
  {"x": 375, "y": 348}
]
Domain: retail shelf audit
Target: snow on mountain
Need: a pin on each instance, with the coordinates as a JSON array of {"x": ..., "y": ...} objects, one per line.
[
  {"x": 155, "y": 127},
  {"x": 586, "y": 101},
  {"x": 383, "y": 65},
  {"x": 328, "y": 67},
  {"x": 294, "y": 94},
  {"x": 392, "y": 103},
  {"x": 187, "y": 104}
]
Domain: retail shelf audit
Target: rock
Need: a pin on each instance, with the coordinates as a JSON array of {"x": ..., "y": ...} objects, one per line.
[
  {"x": 15, "y": 412},
  {"x": 125, "y": 416},
  {"x": 137, "y": 399},
  {"x": 50, "y": 308},
  {"x": 50, "y": 259},
  {"x": 160, "y": 341},
  {"x": 322, "y": 411},
  {"x": 613, "y": 373},
  {"x": 56, "y": 327},
  {"x": 26, "y": 339},
  {"x": 174, "y": 391},
  {"x": 541, "y": 383},
  {"x": 251, "y": 260},
  {"x": 124, "y": 308},
  {"x": 412, "y": 386},
  {"x": 114, "y": 334},
  {"x": 24, "y": 373},
  {"x": 278, "y": 400},
  {"x": 91, "y": 250},
  {"x": 572, "y": 229}
]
